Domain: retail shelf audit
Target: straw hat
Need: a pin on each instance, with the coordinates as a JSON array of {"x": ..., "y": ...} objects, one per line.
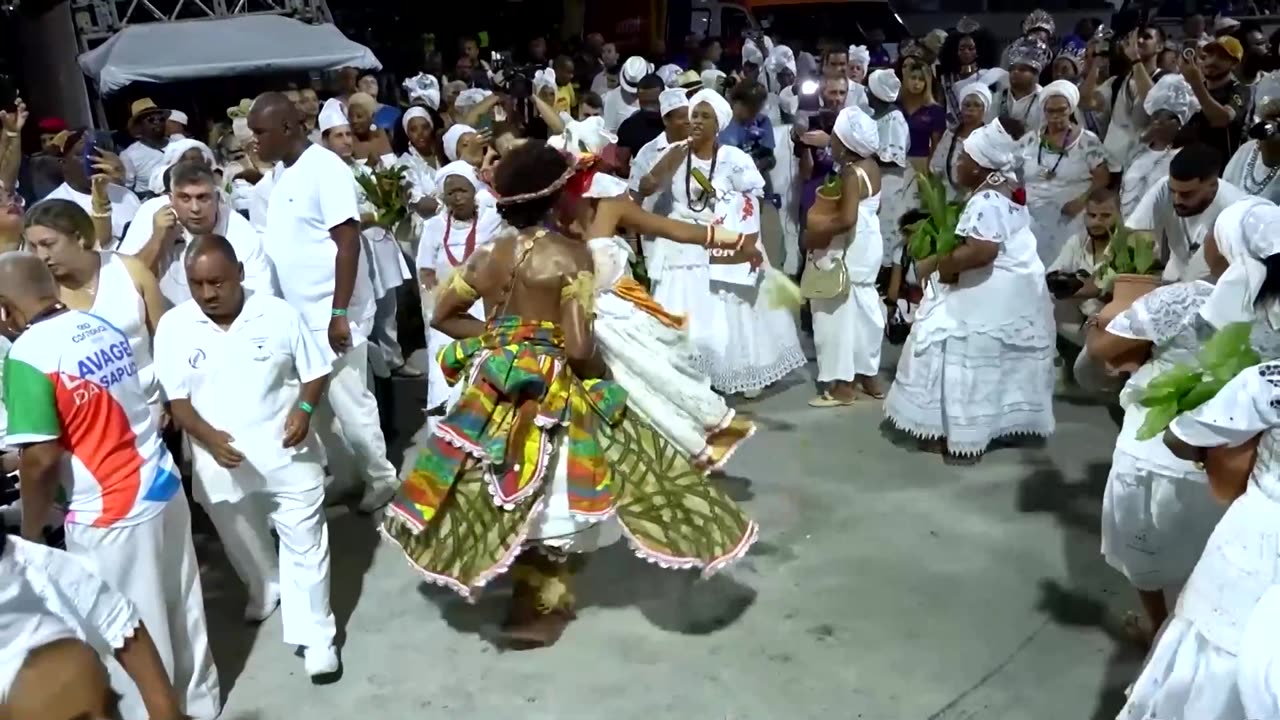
[{"x": 142, "y": 108}]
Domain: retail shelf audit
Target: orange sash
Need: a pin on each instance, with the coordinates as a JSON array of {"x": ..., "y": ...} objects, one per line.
[{"x": 633, "y": 292}]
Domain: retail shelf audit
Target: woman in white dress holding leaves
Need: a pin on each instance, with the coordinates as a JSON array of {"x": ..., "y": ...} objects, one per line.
[
  {"x": 745, "y": 344},
  {"x": 978, "y": 364}
]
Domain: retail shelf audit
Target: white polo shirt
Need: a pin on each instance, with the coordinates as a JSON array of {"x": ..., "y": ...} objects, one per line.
[
  {"x": 140, "y": 160},
  {"x": 246, "y": 241},
  {"x": 243, "y": 381},
  {"x": 307, "y": 199}
]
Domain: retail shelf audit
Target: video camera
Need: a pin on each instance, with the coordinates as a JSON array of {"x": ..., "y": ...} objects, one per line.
[{"x": 514, "y": 80}]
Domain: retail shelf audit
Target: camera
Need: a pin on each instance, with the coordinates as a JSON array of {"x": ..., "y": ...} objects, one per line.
[
  {"x": 514, "y": 80},
  {"x": 1064, "y": 285},
  {"x": 810, "y": 99},
  {"x": 1265, "y": 130}
]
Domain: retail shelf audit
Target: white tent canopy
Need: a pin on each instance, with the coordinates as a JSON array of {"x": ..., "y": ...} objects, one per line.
[{"x": 249, "y": 44}]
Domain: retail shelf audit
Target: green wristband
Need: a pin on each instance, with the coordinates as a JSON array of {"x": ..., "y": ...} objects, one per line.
[
  {"x": 339, "y": 312},
  {"x": 305, "y": 406}
]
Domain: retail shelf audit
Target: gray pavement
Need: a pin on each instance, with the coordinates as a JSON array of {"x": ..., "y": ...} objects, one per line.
[{"x": 885, "y": 586}]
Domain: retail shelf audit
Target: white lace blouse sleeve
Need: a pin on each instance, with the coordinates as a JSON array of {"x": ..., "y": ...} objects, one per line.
[
  {"x": 1248, "y": 405},
  {"x": 1094, "y": 155},
  {"x": 740, "y": 171},
  {"x": 988, "y": 216},
  {"x": 101, "y": 615},
  {"x": 1162, "y": 313}
]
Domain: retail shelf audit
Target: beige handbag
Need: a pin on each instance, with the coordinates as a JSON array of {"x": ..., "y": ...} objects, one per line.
[{"x": 818, "y": 283}]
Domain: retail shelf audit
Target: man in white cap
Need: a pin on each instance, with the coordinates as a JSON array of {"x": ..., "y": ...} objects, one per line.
[
  {"x": 674, "y": 106},
  {"x": 622, "y": 101},
  {"x": 313, "y": 236},
  {"x": 175, "y": 126}
]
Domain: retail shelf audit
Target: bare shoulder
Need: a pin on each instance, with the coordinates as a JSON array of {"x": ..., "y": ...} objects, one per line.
[{"x": 138, "y": 272}]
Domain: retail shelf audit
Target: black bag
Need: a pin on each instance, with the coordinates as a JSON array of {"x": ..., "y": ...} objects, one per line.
[{"x": 896, "y": 329}]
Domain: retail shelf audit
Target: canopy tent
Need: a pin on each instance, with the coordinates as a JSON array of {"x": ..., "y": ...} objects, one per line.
[{"x": 190, "y": 49}]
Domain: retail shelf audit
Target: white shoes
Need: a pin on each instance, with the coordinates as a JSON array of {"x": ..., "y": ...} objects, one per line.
[
  {"x": 321, "y": 662},
  {"x": 376, "y": 497},
  {"x": 752, "y": 394},
  {"x": 258, "y": 611}
]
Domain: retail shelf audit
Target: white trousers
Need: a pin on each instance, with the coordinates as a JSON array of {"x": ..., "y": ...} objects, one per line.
[
  {"x": 347, "y": 423},
  {"x": 385, "y": 354},
  {"x": 301, "y": 573},
  {"x": 154, "y": 564}
]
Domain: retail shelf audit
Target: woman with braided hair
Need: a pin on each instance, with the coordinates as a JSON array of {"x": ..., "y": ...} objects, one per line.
[{"x": 541, "y": 458}]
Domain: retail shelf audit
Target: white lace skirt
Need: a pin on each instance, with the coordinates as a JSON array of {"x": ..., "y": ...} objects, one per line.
[
  {"x": 659, "y": 368},
  {"x": 744, "y": 345},
  {"x": 848, "y": 334},
  {"x": 1155, "y": 524},
  {"x": 972, "y": 390},
  {"x": 898, "y": 194},
  {"x": 1186, "y": 677},
  {"x": 1052, "y": 230}
]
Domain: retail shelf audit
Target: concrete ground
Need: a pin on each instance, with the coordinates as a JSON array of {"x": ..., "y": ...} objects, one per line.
[{"x": 885, "y": 586}]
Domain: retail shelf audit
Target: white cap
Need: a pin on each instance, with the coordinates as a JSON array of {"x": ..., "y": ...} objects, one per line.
[
  {"x": 178, "y": 116},
  {"x": 633, "y": 71},
  {"x": 332, "y": 114},
  {"x": 673, "y": 99}
]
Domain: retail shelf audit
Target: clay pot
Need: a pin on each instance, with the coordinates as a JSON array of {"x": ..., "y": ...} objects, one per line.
[
  {"x": 1229, "y": 468},
  {"x": 1128, "y": 288},
  {"x": 825, "y": 207}
]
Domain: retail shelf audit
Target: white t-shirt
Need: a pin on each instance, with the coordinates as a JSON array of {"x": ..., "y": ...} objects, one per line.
[
  {"x": 124, "y": 206},
  {"x": 140, "y": 160},
  {"x": 308, "y": 199},
  {"x": 172, "y": 275},
  {"x": 266, "y": 354},
  {"x": 1025, "y": 109},
  {"x": 1179, "y": 239},
  {"x": 616, "y": 109}
]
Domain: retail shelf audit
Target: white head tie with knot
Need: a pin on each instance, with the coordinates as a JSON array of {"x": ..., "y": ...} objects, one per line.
[{"x": 1245, "y": 234}]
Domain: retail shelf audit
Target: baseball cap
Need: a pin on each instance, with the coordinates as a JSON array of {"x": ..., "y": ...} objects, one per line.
[
  {"x": 633, "y": 70},
  {"x": 1228, "y": 45}
]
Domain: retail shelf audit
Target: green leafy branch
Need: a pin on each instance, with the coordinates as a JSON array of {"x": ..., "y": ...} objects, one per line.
[
  {"x": 1130, "y": 252},
  {"x": 388, "y": 191},
  {"x": 1183, "y": 387},
  {"x": 936, "y": 233}
]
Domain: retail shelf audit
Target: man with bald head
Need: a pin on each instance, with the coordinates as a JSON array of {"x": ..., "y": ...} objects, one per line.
[
  {"x": 80, "y": 415},
  {"x": 256, "y": 465},
  {"x": 313, "y": 239}
]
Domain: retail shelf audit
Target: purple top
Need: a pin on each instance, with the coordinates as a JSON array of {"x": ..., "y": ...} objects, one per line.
[
  {"x": 823, "y": 166},
  {"x": 923, "y": 124}
]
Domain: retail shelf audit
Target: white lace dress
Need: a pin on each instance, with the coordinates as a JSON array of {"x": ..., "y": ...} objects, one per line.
[
  {"x": 744, "y": 344},
  {"x": 1052, "y": 179},
  {"x": 848, "y": 331},
  {"x": 978, "y": 364},
  {"x": 1193, "y": 673},
  {"x": 1157, "y": 512}
]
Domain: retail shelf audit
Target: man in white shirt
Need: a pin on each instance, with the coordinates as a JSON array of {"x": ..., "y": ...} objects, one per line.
[
  {"x": 1180, "y": 210},
  {"x": 257, "y": 461},
  {"x": 147, "y": 126},
  {"x": 77, "y": 188},
  {"x": 165, "y": 226},
  {"x": 313, "y": 238},
  {"x": 622, "y": 101},
  {"x": 674, "y": 105}
]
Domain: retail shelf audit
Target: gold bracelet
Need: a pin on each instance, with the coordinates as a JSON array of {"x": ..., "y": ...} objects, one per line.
[{"x": 104, "y": 215}]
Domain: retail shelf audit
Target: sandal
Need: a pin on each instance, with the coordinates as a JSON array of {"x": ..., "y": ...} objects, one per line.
[{"x": 826, "y": 400}]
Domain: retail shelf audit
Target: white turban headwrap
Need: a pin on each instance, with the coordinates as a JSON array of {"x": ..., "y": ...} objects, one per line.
[
  {"x": 1258, "y": 676},
  {"x": 781, "y": 58},
  {"x": 1173, "y": 93},
  {"x": 584, "y": 136},
  {"x": 751, "y": 53},
  {"x": 425, "y": 89},
  {"x": 460, "y": 168},
  {"x": 711, "y": 79},
  {"x": 1064, "y": 89},
  {"x": 672, "y": 99},
  {"x": 178, "y": 116},
  {"x": 451, "y": 138},
  {"x": 173, "y": 152},
  {"x": 884, "y": 84},
  {"x": 858, "y": 132},
  {"x": 470, "y": 97},
  {"x": 723, "y": 111},
  {"x": 860, "y": 56},
  {"x": 417, "y": 111},
  {"x": 669, "y": 73},
  {"x": 332, "y": 115},
  {"x": 979, "y": 90},
  {"x": 1245, "y": 236},
  {"x": 544, "y": 78},
  {"x": 992, "y": 147}
]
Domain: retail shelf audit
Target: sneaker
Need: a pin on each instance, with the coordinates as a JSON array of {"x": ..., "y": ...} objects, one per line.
[
  {"x": 322, "y": 663},
  {"x": 258, "y": 611},
  {"x": 376, "y": 497}
]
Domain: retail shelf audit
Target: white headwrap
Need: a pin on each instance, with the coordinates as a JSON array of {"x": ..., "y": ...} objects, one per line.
[
  {"x": 672, "y": 99},
  {"x": 451, "y": 138},
  {"x": 173, "y": 152},
  {"x": 858, "y": 132},
  {"x": 423, "y": 88},
  {"x": 332, "y": 115},
  {"x": 460, "y": 168},
  {"x": 884, "y": 84},
  {"x": 781, "y": 57},
  {"x": 711, "y": 79},
  {"x": 992, "y": 147},
  {"x": 860, "y": 56},
  {"x": 751, "y": 53},
  {"x": 469, "y": 97},
  {"x": 669, "y": 73},
  {"x": 979, "y": 90},
  {"x": 544, "y": 78},
  {"x": 417, "y": 111},
  {"x": 1064, "y": 89},
  {"x": 723, "y": 111},
  {"x": 1245, "y": 235},
  {"x": 584, "y": 136},
  {"x": 178, "y": 116},
  {"x": 1259, "y": 658},
  {"x": 1173, "y": 93}
]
